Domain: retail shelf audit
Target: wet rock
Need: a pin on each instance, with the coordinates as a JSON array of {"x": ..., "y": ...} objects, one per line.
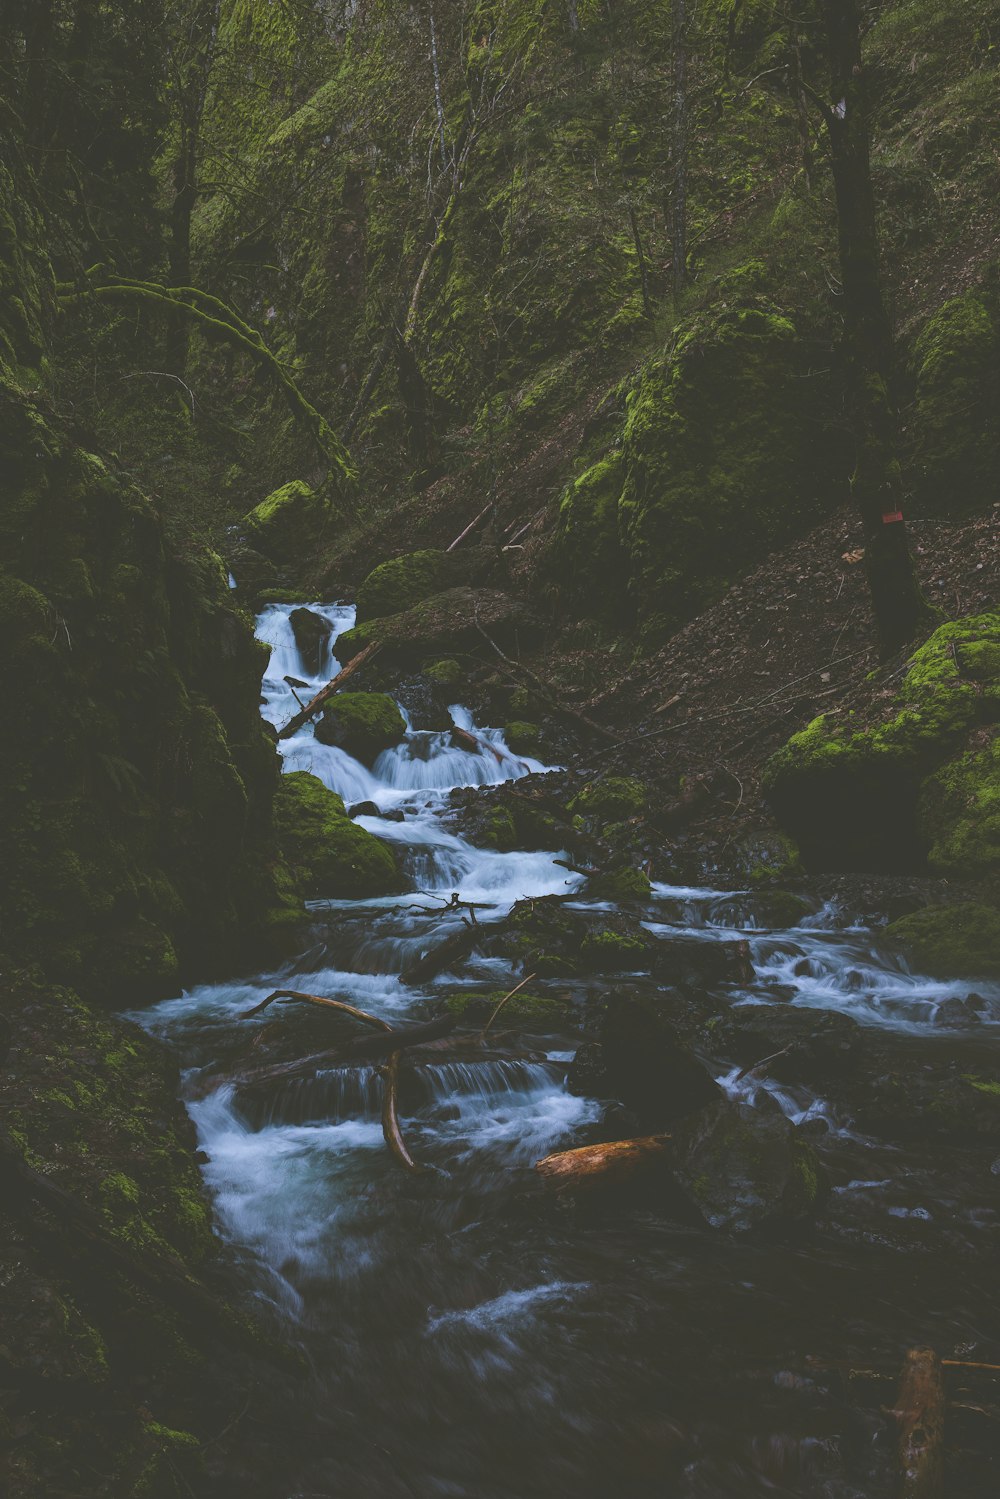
[
  {"x": 361, "y": 723},
  {"x": 311, "y": 631},
  {"x": 702, "y": 964},
  {"x": 553, "y": 941},
  {"x": 401, "y": 582},
  {"x": 742, "y": 1166},
  {"x": 954, "y": 941},
  {"x": 637, "y": 1057},
  {"x": 824, "y": 1044},
  {"x": 906, "y": 1090},
  {"x": 289, "y": 522},
  {"x": 363, "y": 809}
]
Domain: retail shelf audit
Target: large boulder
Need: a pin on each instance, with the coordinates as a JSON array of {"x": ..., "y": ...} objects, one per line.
[
  {"x": 959, "y": 941},
  {"x": 362, "y": 723},
  {"x": 637, "y": 1058},
  {"x": 916, "y": 776},
  {"x": 290, "y": 522},
  {"x": 742, "y": 1166},
  {"x": 331, "y": 857},
  {"x": 399, "y": 583},
  {"x": 311, "y": 632}
]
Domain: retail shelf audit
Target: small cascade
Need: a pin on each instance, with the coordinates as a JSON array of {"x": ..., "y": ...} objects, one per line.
[{"x": 454, "y": 1301}]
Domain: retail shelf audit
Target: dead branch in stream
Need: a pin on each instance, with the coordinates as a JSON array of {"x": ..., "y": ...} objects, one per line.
[
  {"x": 547, "y": 694},
  {"x": 516, "y": 990},
  {"x": 391, "y": 1129},
  {"x": 325, "y": 693},
  {"x": 614, "y": 1164},
  {"x": 430, "y": 963},
  {"x": 920, "y": 1413}
]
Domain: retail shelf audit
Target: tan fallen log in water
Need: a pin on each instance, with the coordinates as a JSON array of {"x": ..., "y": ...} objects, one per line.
[
  {"x": 462, "y": 739},
  {"x": 325, "y": 693},
  {"x": 919, "y": 1410},
  {"x": 614, "y": 1164}
]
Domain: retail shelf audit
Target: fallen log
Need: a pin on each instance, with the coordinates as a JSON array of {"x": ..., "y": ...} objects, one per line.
[
  {"x": 919, "y": 1410},
  {"x": 430, "y": 964},
  {"x": 391, "y": 1132},
  {"x": 400, "y": 1038},
  {"x": 462, "y": 739},
  {"x": 615, "y": 1164},
  {"x": 325, "y": 693}
]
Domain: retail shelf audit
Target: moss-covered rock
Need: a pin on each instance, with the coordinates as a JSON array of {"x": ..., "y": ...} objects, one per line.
[
  {"x": 290, "y": 523},
  {"x": 523, "y": 738},
  {"x": 723, "y": 447},
  {"x": 850, "y": 793},
  {"x": 403, "y": 581},
  {"x": 528, "y": 1005},
  {"x": 959, "y": 941},
  {"x": 614, "y": 799},
  {"x": 445, "y": 673},
  {"x": 620, "y": 885},
  {"x": 362, "y": 723},
  {"x": 331, "y": 856},
  {"x": 955, "y": 442},
  {"x": 586, "y": 558}
]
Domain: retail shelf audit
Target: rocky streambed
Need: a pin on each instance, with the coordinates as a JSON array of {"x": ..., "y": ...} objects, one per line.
[{"x": 829, "y": 1198}]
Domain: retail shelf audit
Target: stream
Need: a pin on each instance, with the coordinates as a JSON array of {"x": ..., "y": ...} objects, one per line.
[{"x": 468, "y": 1336}]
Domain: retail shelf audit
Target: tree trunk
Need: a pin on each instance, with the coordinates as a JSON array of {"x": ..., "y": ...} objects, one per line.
[
  {"x": 877, "y": 480},
  {"x": 679, "y": 203}
]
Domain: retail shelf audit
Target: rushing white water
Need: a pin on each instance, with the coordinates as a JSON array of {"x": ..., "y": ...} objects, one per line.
[{"x": 293, "y": 1182}]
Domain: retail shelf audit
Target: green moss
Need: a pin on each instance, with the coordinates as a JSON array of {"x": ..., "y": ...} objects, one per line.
[
  {"x": 956, "y": 445},
  {"x": 523, "y": 738},
  {"x": 611, "y": 800},
  {"x": 983, "y": 1085},
  {"x": 499, "y": 830},
  {"x": 446, "y": 673},
  {"x": 290, "y": 523},
  {"x": 362, "y": 723},
  {"x": 401, "y": 582},
  {"x": 959, "y": 815},
  {"x": 527, "y": 1005},
  {"x": 586, "y": 558},
  {"x": 612, "y": 952},
  {"x": 620, "y": 885},
  {"x": 856, "y": 789},
  {"x": 331, "y": 856},
  {"x": 960, "y": 941}
]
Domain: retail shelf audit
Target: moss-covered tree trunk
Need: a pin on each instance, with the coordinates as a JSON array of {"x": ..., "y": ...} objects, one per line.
[
  {"x": 877, "y": 481},
  {"x": 196, "y": 29}
]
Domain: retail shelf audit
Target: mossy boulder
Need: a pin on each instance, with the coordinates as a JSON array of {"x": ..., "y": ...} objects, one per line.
[
  {"x": 586, "y": 558},
  {"x": 958, "y": 814},
  {"x": 311, "y": 632},
  {"x": 361, "y": 723},
  {"x": 445, "y": 673},
  {"x": 403, "y": 581},
  {"x": 878, "y": 792},
  {"x": 615, "y": 799},
  {"x": 959, "y": 941},
  {"x": 742, "y": 1166},
  {"x": 725, "y": 452},
  {"x": 636, "y": 1056},
  {"x": 288, "y": 525},
  {"x": 523, "y": 738},
  {"x": 528, "y": 1005},
  {"x": 620, "y": 885},
  {"x": 331, "y": 856},
  {"x": 955, "y": 436}
]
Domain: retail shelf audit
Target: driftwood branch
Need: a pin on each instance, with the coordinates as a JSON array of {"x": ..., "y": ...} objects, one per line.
[
  {"x": 325, "y": 693},
  {"x": 477, "y": 520},
  {"x": 547, "y": 694},
  {"x": 391, "y": 1130},
  {"x": 614, "y": 1164}
]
